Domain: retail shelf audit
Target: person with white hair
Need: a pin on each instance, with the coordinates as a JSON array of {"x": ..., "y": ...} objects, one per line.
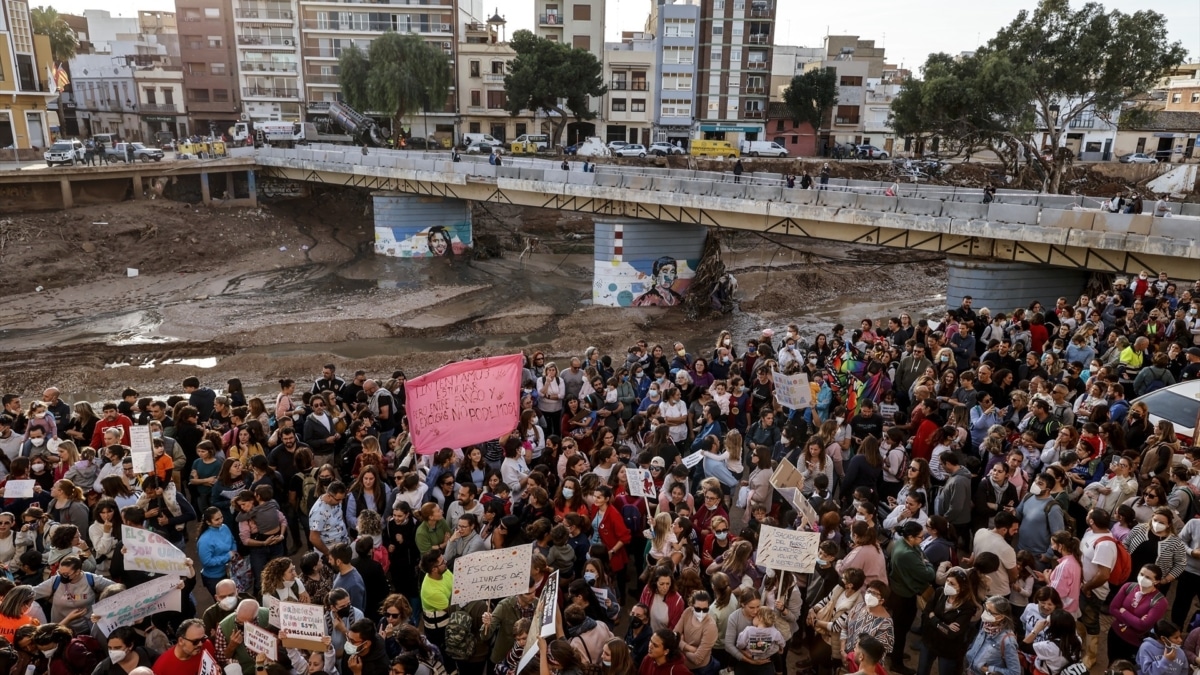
[{"x": 230, "y": 638}]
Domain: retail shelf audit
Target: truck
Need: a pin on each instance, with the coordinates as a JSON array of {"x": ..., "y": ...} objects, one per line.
[
  {"x": 363, "y": 129},
  {"x": 249, "y": 132},
  {"x": 309, "y": 132}
]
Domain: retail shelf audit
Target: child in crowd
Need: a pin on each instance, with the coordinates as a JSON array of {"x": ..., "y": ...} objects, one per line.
[
  {"x": 762, "y": 640},
  {"x": 561, "y": 556}
]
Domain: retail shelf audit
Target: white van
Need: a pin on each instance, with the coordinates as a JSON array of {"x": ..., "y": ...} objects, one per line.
[
  {"x": 593, "y": 147},
  {"x": 472, "y": 139},
  {"x": 763, "y": 149}
]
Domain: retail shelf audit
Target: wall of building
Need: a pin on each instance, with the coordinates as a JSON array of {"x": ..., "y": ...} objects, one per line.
[
  {"x": 411, "y": 226},
  {"x": 639, "y": 263},
  {"x": 206, "y": 45}
]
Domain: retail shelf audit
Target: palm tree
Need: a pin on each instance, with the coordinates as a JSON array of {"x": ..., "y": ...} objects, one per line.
[{"x": 63, "y": 42}]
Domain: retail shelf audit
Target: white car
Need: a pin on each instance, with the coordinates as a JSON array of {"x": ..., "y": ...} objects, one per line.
[
  {"x": 871, "y": 152},
  {"x": 662, "y": 149},
  {"x": 64, "y": 152},
  {"x": 1178, "y": 404},
  {"x": 1138, "y": 158},
  {"x": 616, "y": 145},
  {"x": 631, "y": 150},
  {"x": 484, "y": 149}
]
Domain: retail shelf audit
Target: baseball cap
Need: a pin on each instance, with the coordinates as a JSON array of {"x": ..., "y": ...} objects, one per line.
[
  {"x": 658, "y": 461},
  {"x": 1193, "y": 351}
]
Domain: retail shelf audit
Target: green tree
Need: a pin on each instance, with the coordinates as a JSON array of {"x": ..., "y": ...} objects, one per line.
[
  {"x": 400, "y": 75},
  {"x": 63, "y": 42},
  {"x": 554, "y": 78},
  {"x": 810, "y": 96}
]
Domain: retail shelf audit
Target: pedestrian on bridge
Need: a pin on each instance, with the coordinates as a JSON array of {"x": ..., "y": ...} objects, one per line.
[
  {"x": 825, "y": 176},
  {"x": 737, "y": 171}
]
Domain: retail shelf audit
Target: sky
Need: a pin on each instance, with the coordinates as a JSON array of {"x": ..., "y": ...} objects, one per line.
[{"x": 909, "y": 29}]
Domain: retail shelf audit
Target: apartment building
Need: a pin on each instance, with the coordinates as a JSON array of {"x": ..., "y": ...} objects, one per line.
[
  {"x": 789, "y": 62},
  {"x": 210, "y": 75},
  {"x": 483, "y": 59},
  {"x": 267, "y": 39},
  {"x": 578, "y": 23},
  {"x": 675, "y": 25},
  {"x": 629, "y": 71},
  {"x": 25, "y": 120},
  {"x": 856, "y": 62},
  {"x": 734, "y": 68}
]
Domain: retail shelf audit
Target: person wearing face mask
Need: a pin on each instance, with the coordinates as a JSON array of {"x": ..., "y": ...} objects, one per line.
[
  {"x": 225, "y": 600},
  {"x": 230, "y": 638},
  {"x": 123, "y": 654},
  {"x": 1162, "y": 653},
  {"x": 994, "y": 651},
  {"x": 697, "y": 634},
  {"x": 339, "y": 617},
  {"x": 946, "y": 623},
  {"x": 911, "y": 576},
  {"x": 64, "y": 656},
  {"x": 1156, "y": 542},
  {"x": 364, "y": 653},
  {"x": 1135, "y": 607}
]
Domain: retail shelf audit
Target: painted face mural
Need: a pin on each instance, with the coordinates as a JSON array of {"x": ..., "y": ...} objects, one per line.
[
  {"x": 439, "y": 241},
  {"x": 660, "y": 293}
]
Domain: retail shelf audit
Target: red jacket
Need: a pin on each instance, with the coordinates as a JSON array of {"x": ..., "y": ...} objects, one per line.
[
  {"x": 674, "y": 603},
  {"x": 98, "y": 435},
  {"x": 613, "y": 530},
  {"x": 674, "y": 666}
]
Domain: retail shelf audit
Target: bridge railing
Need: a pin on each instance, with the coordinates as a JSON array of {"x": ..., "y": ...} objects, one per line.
[{"x": 1010, "y": 206}]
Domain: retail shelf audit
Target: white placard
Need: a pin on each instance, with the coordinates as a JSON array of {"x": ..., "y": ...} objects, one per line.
[
  {"x": 19, "y": 489},
  {"x": 260, "y": 641},
  {"x": 128, "y": 607},
  {"x": 690, "y": 461},
  {"x": 272, "y": 604},
  {"x": 548, "y": 604},
  {"x": 789, "y": 550},
  {"x": 491, "y": 574},
  {"x": 139, "y": 440},
  {"x": 208, "y": 665},
  {"x": 143, "y": 462},
  {"x": 641, "y": 484},
  {"x": 147, "y": 551},
  {"x": 792, "y": 391},
  {"x": 304, "y": 623}
]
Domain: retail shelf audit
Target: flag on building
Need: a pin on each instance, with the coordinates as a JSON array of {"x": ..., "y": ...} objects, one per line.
[
  {"x": 60, "y": 76},
  {"x": 51, "y": 80}
]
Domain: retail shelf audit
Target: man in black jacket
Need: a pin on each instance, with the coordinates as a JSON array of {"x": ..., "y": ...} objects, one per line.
[{"x": 364, "y": 654}]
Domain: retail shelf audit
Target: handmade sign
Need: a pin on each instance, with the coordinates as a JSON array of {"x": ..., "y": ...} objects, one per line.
[
  {"x": 789, "y": 550},
  {"x": 19, "y": 489},
  {"x": 464, "y": 403},
  {"x": 492, "y": 574},
  {"x": 548, "y": 606},
  {"x": 690, "y": 461},
  {"x": 128, "y": 607},
  {"x": 272, "y": 604},
  {"x": 140, "y": 441},
  {"x": 304, "y": 623},
  {"x": 260, "y": 641},
  {"x": 792, "y": 391},
  {"x": 143, "y": 462},
  {"x": 146, "y": 551},
  {"x": 641, "y": 484},
  {"x": 208, "y": 665}
]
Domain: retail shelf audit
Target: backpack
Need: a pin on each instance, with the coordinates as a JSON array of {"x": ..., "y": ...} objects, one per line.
[
  {"x": 1122, "y": 566},
  {"x": 460, "y": 636},
  {"x": 1068, "y": 519},
  {"x": 635, "y": 520},
  {"x": 91, "y": 579},
  {"x": 380, "y": 555},
  {"x": 308, "y": 490},
  {"x": 1157, "y": 382}
]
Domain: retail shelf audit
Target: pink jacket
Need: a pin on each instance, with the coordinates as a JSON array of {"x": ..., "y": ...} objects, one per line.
[
  {"x": 1134, "y": 623},
  {"x": 869, "y": 559},
  {"x": 1065, "y": 578}
]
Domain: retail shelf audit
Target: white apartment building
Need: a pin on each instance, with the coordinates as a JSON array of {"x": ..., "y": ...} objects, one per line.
[
  {"x": 267, "y": 43},
  {"x": 629, "y": 72}
]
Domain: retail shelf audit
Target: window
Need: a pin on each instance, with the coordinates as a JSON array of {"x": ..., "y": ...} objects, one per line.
[
  {"x": 168, "y": 96},
  {"x": 846, "y": 114},
  {"x": 1175, "y": 98},
  {"x": 474, "y": 69},
  {"x": 196, "y": 69},
  {"x": 637, "y": 105},
  {"x": 674, "y": 108},
  {"x": 619, "y": 83},
  {"x": 850, "y": 81},
  {"x": 215, "y": 42},
  {"x": 212, "y": 12},
  {"x": 1196, "y": 97},
  {"x": 495, "y": 100},
  {"x": 581, "y": 12},
  {"x": 779, "y": 127},
  {"x": 718, "y": 30},
  {"x": 198, "y": 95},
  {"x": 217, "y": 68},
  {"x": 678, "y": 82},
  {"x": 582, "y": 42},
  {"x": 220, "y": 95},
  {"x": 150, "y": 95},
  {"x": 732, "y": 104},
  {"x": 715, "y": 55},
  {"x": 718, "y": 5},
  {"x": 735, "y": 55},
  {"x": 476, "y": 98},
  {"x": 474, "y": 128},
  {"x": 618, "y": 105},
  {"x": 739, "y": 5},
  {"x": 738, "y": 28},
  {"x": 675, "y": 55},
  {"x": 679, "y": 28},
  {"x": 639, "y": 80},
  {"x": 497, "y": 67}
]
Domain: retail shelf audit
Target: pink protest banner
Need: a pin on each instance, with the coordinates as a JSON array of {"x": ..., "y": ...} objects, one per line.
[{"x": 464, "y": 403}]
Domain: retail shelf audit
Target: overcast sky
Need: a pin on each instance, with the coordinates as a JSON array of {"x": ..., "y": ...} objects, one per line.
[{"x": 909, "y": 29}]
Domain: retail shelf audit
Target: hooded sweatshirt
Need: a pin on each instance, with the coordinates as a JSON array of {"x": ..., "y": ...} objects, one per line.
[
  {"x": 588, "y": 639},
  {"x": 954, "y": 501},
  {"x": 1151, "y": 659}
]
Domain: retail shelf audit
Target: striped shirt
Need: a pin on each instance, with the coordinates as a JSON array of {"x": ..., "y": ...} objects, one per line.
[
  {"x": 859, "y": 620},
  {"x": 1172, "y": 553}
]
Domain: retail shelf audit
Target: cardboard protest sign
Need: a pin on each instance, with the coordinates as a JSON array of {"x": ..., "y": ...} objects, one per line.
[
  {"x": 260, "y": 641},
  {"x": 491, "y": 574},
  {"x": 304, "y": 623},
  {"x": 464, "y": 403},
  {"x": 690, "y": 461},
  {"x": 146, "y": 551},
  {"x": 128, "y": 607},
  {"x": 789, "y": 550},
  {"x": 140, "y": 441},
  {"x": 792, "y": 391},
  {"x": 19, "y": 489},
  {"x": 641, "y": 484},
  {"x": 209, "y": 665},
  {"x": 143, "y": 462},
  {"x": 272, "y": 604},
  {"x": 548, "y": 606},
  {"x": 787, "y": 475}
]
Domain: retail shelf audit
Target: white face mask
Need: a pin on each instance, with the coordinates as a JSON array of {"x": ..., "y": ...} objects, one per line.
[
  {"x": 351, "y": 649},
  {"x": 116, "y": 655},
  {"x": 37, "y": 442},
  {"x": 860, "y": 517},
  {"x": 841, "y": 420},
  {"x": 37, "y": 467},
  {"x": 871, "y": 599},
  {"x": 699, "y": 615},
  {"x": 728, "y": 342},
  {"x": 1145, "y": 582},
  {"x": 49, "y": 653},
  {"x": 950, "y": 590},
  {"x": 155, "y": 434},
  {"x": 987, "y": 617},
  {"x": 228, "y": 603},
  {"x": 1159, "y": 528},
  {"x": 1035, "y": 489}
]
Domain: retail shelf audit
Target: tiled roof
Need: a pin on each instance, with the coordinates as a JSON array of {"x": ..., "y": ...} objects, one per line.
[{"x": 1171, "y": 120}]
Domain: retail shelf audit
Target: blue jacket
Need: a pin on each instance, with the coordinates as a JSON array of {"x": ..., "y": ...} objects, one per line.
[
  {"x": 214, "y": 548},
  {"x": 998, "y": 653},
  {"x": 1150, "y": 659}
]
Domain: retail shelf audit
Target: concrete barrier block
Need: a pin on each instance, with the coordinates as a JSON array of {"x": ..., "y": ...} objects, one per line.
[
  {"x": 664, "y": 184},
  {"x": 696, "y": 187},
  {"x": 1057, "y": 201},
  {"x": 730, "y": 190},
  {"x": 768, "y": 177},
  {"x": 532, "y": 174},
  {"x": 876, "y": 203},
  {"x": 549, "y": 175},
  {"x": 841, "y": 182},
  {"x": 1175, "y": 208},
  {"x": 608, "y": 179},
  {"x": 837, "y": 199},
  {"x": 799, "y": 196},
  {"x": 1190, "y": 210},
  {"x": 966, "y": 196},
  {"x": 765, "y": 193},
  {"x": 919, "y": 207},
  {"x": 1122, "y": 223},
  {"x": 1016, "y": 198},
  {"x": 508, "y": 172},
  {"x": 636, "y": 182},
  {"x": 1175, "y": 228},
  {"x": 964, "y": 210},
  {"x": 483, "y": 170},
  {"x": 1012, "y": 213},
  {"x": 581, "y": 178},
  {"x": 1065, "y": 218}
]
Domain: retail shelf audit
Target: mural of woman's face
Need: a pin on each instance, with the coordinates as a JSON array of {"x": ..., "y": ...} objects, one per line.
[
  {"x": 666, "y": 276},
  {"x": 439, "y": 243}
]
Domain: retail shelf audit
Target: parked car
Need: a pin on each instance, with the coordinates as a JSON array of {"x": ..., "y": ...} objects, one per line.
[
  {"x": 631, "y": 150},
  {"x": 763, "y": 149},
  {"x": 64, "y": 152},
  {"x": 1179, "y": 404},
  {"x": 1138, "y": 158},
  {"x": 616, "y": 145},
  {"x": 871, "y": 152},
  {"x": 140, "y": 152},
  {"x": 484, "y": 148},
  {"x": 664, "y": 149}
]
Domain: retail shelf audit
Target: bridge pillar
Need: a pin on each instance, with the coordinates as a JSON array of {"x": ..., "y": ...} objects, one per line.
[
  {"x": 137, "y": 186},
  {"x": 1003, "y": 286},
  {"x": 418, "y": 226},
  {"x": 644, "y": 263},
  {"x": 252, "y": 187},
  {"x": 68, "y": 197},
  {"x": 205, "y": 192}
]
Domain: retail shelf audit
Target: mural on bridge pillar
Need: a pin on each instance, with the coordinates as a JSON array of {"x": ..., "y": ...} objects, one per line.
[
  {"x": 643, "y": 263},
  {"x": 410, "y": 226}
]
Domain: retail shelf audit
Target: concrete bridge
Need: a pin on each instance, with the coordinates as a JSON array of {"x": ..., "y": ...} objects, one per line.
[{"x": 651, "y": 222}]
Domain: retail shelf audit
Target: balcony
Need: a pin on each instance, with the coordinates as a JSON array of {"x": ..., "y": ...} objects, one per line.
[
  {"x": 753, "y": 114},
  {"x": 619, "y": 85},
  {"x": 754, "y": 90},
  {"x": 549, "y": 20},
  {"x": 280, "y": 41},
  {"x": 846, "y": 121},
  {"x": 756, "y": 65},
  {"x": 268, "y": 67},
  {"x": 638, "y": 85},
  {"x": 1083, "y": 123},
  {"x": 445, "y": 4},
  {"x": 169, "y": 108},
  {"x": 494, "y": 78},
  {"x": 322, "y": 52},
  {"x": 375, "y": 26},
  {"x": 266, "y": 14},
  {"x": 758, "y": 38},
  {"x": 321, "y": 79},
  {"x": 270, "y": 92}
]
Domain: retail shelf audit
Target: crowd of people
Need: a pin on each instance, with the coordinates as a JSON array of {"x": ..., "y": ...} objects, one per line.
[{"x": 984, "y": 480}]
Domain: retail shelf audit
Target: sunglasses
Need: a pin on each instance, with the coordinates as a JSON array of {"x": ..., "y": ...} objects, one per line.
[
  {"x": 721, "y": 531},
  {"x": 393, "y": 615},
  {"x": 703, "y": 610}
]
